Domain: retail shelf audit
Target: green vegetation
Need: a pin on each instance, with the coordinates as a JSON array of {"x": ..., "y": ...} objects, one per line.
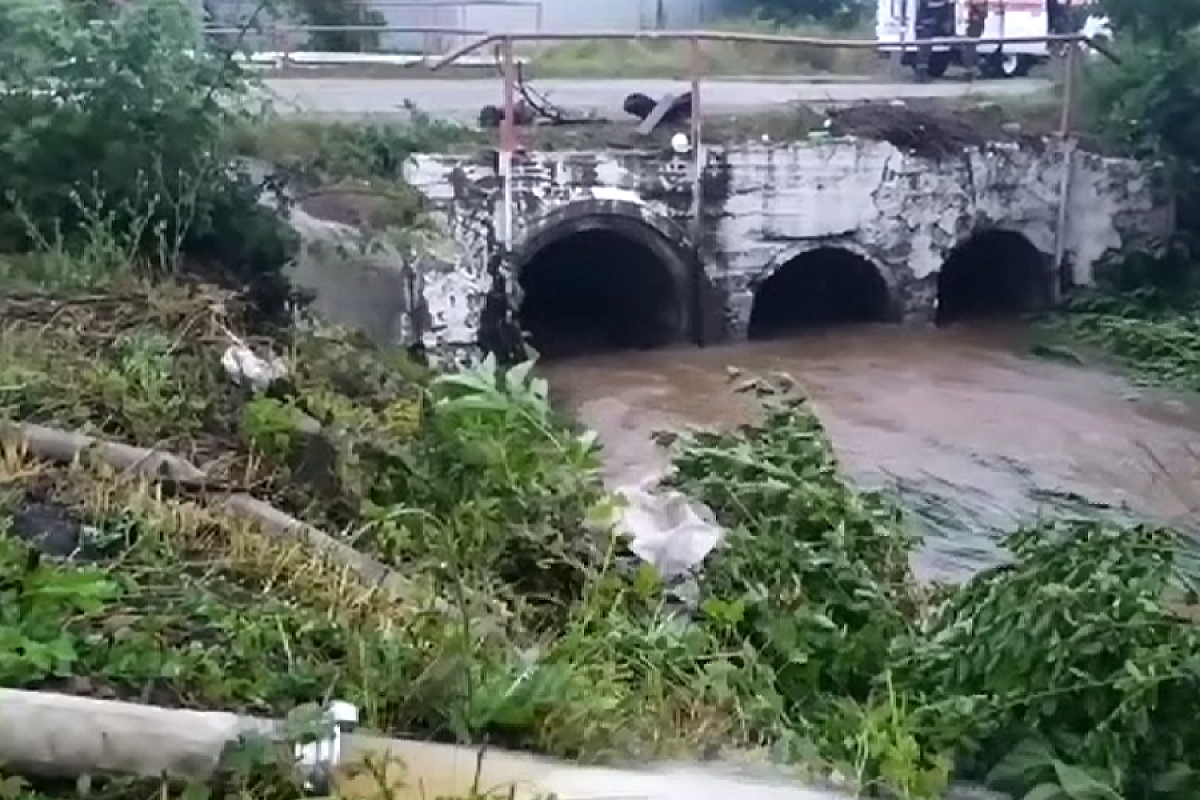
[
  {"x": 350, "y": 171},
  {"x": 133, "y": 254},
  {"x": 1146, "y": 311}
]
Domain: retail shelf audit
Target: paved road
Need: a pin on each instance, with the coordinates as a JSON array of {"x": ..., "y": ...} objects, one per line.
[{"x": 463, "y": 98}]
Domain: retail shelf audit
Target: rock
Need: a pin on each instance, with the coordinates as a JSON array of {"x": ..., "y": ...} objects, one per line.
[
  {"x": 49, "y": 528},
  {"x": 359, "y": 280}
]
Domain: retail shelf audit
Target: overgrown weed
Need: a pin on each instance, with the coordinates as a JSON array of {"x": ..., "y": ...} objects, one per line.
[
  {"x": 1145, "y": 311},
  {"x": 524, "y": 628}
]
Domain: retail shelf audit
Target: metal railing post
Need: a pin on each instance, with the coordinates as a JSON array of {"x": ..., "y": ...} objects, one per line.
[
  {"x": 508, "y": 144},
  {"x": 696, "y": 222},
  {"x": 1067, "y": 150}
]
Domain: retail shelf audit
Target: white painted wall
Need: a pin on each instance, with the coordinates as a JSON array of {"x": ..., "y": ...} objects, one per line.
[{"x": 902, "y": 212}]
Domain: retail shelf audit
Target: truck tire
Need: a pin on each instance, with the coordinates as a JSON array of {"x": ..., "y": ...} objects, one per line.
[
  {"x": 934, "y": 67},
  {"x": 1007, "y": 65}
]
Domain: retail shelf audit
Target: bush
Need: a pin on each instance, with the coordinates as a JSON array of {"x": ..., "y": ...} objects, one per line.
[
  {"x": 1145, "y": 309},
  {"x": 113, "y": 123}
]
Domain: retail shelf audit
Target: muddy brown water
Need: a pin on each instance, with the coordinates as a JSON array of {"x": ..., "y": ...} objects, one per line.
[{"x": 974, "y": 434}]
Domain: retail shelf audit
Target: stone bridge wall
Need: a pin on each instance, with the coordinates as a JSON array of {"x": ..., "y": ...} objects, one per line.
[{"x": 764, "y": 205}]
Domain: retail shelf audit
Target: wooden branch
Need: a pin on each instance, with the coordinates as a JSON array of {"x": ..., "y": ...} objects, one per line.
[{"x": 67, "y": 447}]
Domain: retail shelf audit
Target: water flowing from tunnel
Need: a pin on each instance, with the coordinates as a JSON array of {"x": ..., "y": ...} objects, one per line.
[{"x": 974, "y": 435}]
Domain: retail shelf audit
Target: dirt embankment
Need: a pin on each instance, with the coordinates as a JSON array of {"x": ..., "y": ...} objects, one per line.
[{"x": 927, "y": 127}]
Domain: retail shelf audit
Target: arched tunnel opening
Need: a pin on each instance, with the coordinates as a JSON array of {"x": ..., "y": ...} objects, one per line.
[
  {"x": 819, "y": 288},
  {"x": 994, "y": 274},
  {"x": 599, "y": 289}
]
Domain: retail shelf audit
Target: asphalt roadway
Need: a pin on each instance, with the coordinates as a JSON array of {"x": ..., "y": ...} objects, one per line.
[{"x": 462, "y": 99}]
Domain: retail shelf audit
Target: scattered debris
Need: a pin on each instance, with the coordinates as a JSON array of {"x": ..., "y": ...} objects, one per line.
[
  {"x": 246, "y": 368},
  {"x": 50, "y": 528},
  {"x": 670, "y": 109},
  {"x": 491, "y": 116},
  {"x": 666, "y": 529},
  {"x": 534, "y": 108},
  {"x": 931, "y": 131}
]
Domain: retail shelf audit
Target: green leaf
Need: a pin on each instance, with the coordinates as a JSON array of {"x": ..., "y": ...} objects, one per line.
[
  {"x": 517, "y": 377},
  {"x": 1045, "y": 791},
  {"x": 1029, "y": 761},
  {"x": 1175, "y": 780},
  {"x": 1079, "y": 784}
]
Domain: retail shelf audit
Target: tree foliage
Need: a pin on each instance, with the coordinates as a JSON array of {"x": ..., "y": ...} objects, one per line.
[
  {"x": 838, "y": 13},
  {"x": 340, "y": 12},
  {"x": 111, "y": 119},
  {"x": 1150, "y": 102}
]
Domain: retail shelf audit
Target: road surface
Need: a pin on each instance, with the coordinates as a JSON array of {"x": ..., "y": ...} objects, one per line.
[{"x": 462, "y": 99}]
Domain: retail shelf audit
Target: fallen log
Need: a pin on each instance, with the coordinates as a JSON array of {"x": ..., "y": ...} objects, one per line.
[
  {"x": 67, "y": 447},
  {"x": 52, "y": 735},
  {"x": 47, "y": 735}
]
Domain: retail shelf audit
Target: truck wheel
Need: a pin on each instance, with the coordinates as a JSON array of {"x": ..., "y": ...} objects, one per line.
[
  {"x": 934, "y": 67},
  {"x": 938, "y": 64},
  {"x": 1007, "y": 65}
]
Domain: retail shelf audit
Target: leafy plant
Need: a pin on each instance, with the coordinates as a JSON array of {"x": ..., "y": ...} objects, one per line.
[
  {"x": 115, "y": 123},
  {"x": 1075, "y": 646},
  {"x": 37, "y": 599}
]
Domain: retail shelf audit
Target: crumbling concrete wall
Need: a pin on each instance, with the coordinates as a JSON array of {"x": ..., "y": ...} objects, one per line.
[{"x": 764, "y": 205}]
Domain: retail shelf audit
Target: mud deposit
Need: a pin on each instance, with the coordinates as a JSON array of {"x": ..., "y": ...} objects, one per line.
[{"x": 974, "y": 434}]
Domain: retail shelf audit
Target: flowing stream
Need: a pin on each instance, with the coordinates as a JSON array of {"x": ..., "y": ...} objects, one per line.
[{"x": 974, "y": 434}]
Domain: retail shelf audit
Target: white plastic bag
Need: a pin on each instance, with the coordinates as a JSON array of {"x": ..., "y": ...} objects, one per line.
[{"x": 666, "y": 529}]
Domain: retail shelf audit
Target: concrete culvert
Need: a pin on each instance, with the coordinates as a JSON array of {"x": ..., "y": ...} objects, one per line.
[
  {"x": 598, "y": 289},
  {"x": 819, "y": 288},
  {"x": 994, "y": 274}
]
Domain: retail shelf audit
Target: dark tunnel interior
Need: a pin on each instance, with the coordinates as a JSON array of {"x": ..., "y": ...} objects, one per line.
[
  {"x": 822, "y": 287},
  {"x": 597, "y": 290},
  {"x": 993, "y": 274}
]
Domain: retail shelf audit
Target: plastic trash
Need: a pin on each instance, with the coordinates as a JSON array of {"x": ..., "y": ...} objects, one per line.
[
  {"x": 246, "y": 368},
  {"x": 667, "y": 529}
]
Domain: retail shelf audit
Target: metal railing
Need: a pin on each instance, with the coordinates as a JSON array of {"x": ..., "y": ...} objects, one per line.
[
  {"x": 285, "y": 45},
  {"x": 510, "y": 145}
]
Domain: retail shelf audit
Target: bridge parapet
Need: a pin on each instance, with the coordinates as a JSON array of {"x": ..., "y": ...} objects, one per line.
[{"x": 765, "y": 206}]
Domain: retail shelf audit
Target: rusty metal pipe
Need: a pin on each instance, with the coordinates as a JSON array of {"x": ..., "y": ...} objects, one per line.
[
  {"x": 286, "y": 29},
  {"x": 760, "y": 38}
]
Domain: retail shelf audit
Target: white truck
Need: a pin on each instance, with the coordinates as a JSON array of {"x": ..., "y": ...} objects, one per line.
[{"x": 901, "y": 21}]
